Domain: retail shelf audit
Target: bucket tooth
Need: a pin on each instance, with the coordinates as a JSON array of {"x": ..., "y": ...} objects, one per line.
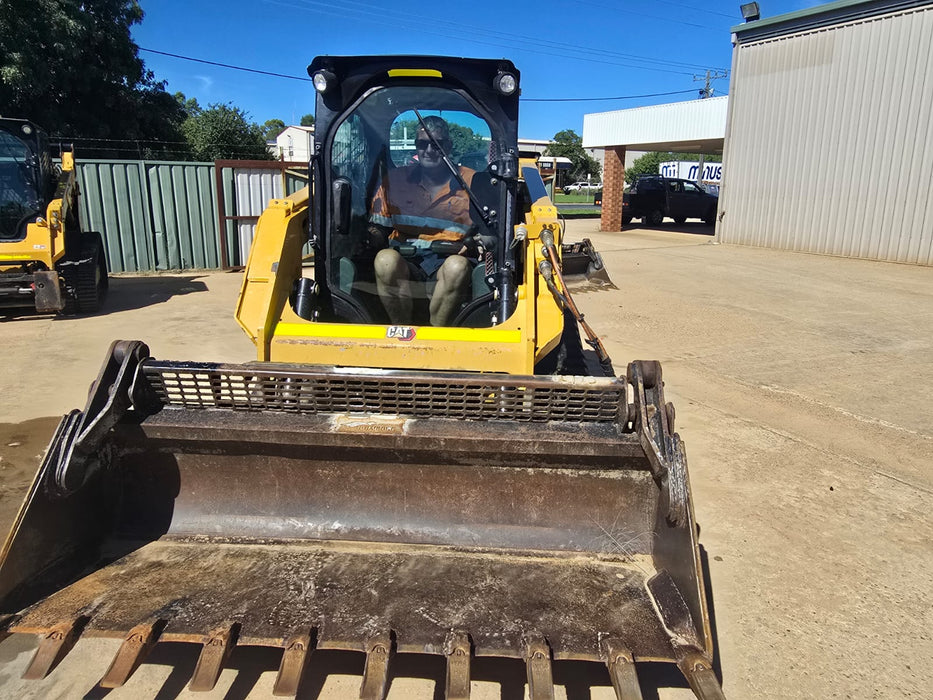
[
  {"x": 698, "y": 670},
  {"x": 376, "y": 672},
  {"x": 457, "y": 649},
  {"x": 692, "y": 662},
  {"x": 136, "y": 646},
  {"x": 298, "y": 649},
  {"x": 622, "y": 671},
  {"x": 218, "y": 645},
  {"x": 56, "y": 643},
  {"x": 537, "y": 655}
]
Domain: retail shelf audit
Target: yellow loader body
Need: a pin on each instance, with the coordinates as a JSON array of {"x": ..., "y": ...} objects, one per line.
[{"x": 472, "y": 489}]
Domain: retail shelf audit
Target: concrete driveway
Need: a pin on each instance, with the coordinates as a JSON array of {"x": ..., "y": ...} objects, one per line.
[{"x": 802, "y": 388}]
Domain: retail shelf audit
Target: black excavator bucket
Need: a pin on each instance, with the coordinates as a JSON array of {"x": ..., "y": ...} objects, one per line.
[
  {"x": 582, "y": 266},
  {"x": 386, "y": 512}
]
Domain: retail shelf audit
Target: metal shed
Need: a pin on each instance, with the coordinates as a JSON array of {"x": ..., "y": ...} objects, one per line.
[{"x": 829, "y": 138}]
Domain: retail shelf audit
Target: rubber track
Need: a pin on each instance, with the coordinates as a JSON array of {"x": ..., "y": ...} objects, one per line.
[{"x": 87, "y": 290}]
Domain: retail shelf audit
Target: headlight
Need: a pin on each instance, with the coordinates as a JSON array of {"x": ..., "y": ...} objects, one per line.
[
  {"x": 27, "y": 129},
  {"x": 506, "y": 83},
  {"x": 324, "y": 80}
]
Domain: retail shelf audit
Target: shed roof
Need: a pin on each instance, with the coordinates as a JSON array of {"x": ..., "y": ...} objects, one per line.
[
  {"x": 820, "y": 16},
  {"x": 697, "y": 126}
]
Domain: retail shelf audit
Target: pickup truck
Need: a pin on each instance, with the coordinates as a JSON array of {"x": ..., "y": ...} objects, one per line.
[{"x": 653, "y": 197}]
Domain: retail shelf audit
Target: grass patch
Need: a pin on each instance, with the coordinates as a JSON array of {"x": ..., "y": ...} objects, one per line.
[
  {"x": 580, "y": 212},
  {"x": 574, "y": 198}
]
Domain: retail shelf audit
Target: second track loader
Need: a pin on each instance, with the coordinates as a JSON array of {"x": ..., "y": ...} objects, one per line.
[
  {"x": 47, "y": 260},
  {"x": 478, "y": 488}
]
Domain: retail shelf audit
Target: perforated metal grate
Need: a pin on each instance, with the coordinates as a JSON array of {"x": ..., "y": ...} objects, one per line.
[{"x": 296, "y": 390}]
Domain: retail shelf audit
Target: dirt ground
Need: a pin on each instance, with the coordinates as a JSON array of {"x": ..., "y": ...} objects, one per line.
[{"x": 802, "y": 388}]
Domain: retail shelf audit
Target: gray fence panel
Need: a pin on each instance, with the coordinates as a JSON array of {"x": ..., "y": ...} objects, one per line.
[
  {"x": 254, "y": 188},
  {"x": 234, "y": 259}
]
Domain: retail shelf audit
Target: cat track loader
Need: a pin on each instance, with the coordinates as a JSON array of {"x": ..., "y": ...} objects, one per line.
[
  {"x": 46, "y": 259},
  {"x": 484, "y": 488}
]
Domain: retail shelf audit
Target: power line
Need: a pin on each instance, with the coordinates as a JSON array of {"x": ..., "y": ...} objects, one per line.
[
  {"x": 707, "y": 90},
  {"x": 225, "y": 65},
  {"x": 540, "y": 46},
  {"x": 601, "y": 99},
  {"x": 674, "y": 20},
  {"x": 141, "y": 141},
  {"x": 523, "y": 99},
  {"x": 732, "y": 16}
]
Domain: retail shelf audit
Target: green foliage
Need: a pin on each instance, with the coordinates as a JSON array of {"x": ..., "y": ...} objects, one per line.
[
  {"x": 224, "y": 131},
  {"x": 466, "y": 141},
  {"x": 272, "y": 128},
  {"x": 307, "y": 120},
  {"x": 567, "y": 144},
  {"x": 649, "y": 164},
  {"x": 72, "y": 67},
  {"x": 189, "y": 105}
]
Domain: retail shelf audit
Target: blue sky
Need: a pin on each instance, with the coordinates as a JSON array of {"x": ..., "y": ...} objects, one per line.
[{"x": 586, "y": 49}]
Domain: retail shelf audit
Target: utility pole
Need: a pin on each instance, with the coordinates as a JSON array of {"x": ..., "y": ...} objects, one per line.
[{"x": 706, "y": 92}]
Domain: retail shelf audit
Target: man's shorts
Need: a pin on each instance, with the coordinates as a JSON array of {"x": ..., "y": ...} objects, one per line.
[{"x": 425, "y": 264}]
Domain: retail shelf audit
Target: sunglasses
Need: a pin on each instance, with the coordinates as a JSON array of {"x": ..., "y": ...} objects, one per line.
[{"x": 422, "y": 144}]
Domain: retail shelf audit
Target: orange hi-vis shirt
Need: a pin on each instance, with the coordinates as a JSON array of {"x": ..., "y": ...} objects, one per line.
[{"x": 405, "y": 205}]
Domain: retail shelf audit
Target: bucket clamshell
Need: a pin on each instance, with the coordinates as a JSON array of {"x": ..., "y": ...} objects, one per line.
[{"x": 381, "y": 511}]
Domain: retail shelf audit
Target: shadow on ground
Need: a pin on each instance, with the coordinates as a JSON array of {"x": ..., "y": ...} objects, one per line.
[
  {"x": 695, "y": 227},
  {"x": 578, "y": 678},
  {"x": 126, "y": 294}
]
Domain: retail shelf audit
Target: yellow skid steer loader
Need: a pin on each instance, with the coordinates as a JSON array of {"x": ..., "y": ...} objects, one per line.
[
  {"x": 46, "y": 259},
  {"x": 376, "y": 483}
]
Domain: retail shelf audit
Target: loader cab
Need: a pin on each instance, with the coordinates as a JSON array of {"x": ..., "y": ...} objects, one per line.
[
  {"x": 25, "y": 176},
  {"x": 366, "y": 153}
]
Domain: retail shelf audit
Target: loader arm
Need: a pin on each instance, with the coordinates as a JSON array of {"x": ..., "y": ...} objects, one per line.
[{"x": 273, "y": 267}]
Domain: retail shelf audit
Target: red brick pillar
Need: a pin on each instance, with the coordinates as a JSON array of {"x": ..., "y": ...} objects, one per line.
[{"x": 613, "y": 182}]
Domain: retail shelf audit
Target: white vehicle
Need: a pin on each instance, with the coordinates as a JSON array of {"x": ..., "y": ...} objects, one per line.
[{"x": 582, "y": 187}]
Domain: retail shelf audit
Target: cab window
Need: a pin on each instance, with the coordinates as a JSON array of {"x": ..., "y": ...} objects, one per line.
[{"x": 408, "y": 243}]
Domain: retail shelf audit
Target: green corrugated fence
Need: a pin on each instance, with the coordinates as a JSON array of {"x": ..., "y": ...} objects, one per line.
[{"x": 161, "y": 215}]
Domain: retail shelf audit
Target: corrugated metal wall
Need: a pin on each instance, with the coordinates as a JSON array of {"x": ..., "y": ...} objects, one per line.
[
  {"x": 152, "y": 215},
  {"x": 157, "y": 215},
  {"x": 115, "y": 201},
  {"x": 829, "y": 147},
  {"x": 184, "y": 215},
  {"x": 253, "y": 188}
]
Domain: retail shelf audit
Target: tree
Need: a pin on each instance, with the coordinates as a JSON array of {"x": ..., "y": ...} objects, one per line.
[
  {"x": 224, "y": 131},
  {"x": 567, "y": 144},
  {"x": 465, "y": 141},
  {"x": 307, "y": 120},
  {"x": 272, "y": 128},
  {"x": 649, "y": 164},
  {"x": 72, "y": 67},
  {"x": 189, "y": 105}
]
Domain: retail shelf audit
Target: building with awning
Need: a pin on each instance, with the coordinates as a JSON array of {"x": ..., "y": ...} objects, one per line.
[
  {"x": 697, "y": 126},
  {"x": 826, "y": 135}
]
